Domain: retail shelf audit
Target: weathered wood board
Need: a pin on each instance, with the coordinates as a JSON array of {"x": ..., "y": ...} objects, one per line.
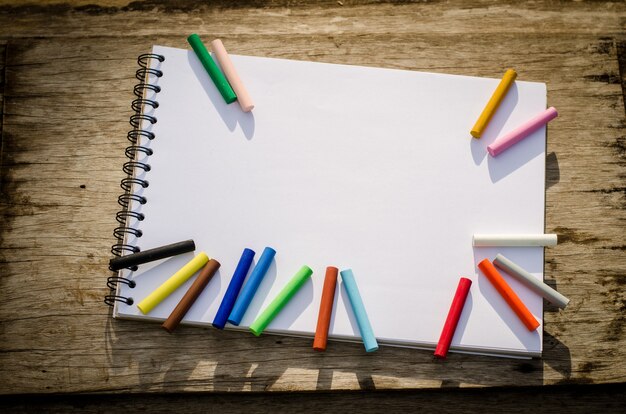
[{"x": 66, "y": 78}]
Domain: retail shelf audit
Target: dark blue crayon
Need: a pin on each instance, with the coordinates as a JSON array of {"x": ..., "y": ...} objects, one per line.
[
  {"x": 251, "y": 286},
  {"x": 233, "y": 288}
]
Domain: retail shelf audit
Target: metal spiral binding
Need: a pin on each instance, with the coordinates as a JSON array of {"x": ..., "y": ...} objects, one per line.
[
  {"x": 110, "y": 299},
  {"x": 130, "y": 167}
]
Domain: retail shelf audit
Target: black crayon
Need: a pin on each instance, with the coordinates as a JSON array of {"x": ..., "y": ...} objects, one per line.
[{"x": 151, "y": 255}]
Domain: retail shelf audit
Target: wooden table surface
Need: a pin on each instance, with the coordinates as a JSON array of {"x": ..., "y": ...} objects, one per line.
[{"x": 66, "y": 78}]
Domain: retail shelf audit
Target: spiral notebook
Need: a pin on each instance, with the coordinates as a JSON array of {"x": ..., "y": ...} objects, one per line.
[{"x": 356, "y": 167}]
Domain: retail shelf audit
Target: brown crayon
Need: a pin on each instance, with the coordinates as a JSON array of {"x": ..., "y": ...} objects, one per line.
[{"x": 190, "y": 297}]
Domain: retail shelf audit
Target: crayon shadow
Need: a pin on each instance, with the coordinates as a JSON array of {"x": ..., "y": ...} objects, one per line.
[
  {"x": 553, "y": 173},
  {"x": 557, "y": 355},
  {"x": 196, "y": 359},
  {"x": 550, "y": 308},
  {"x": 547, "y": 306},
  {"x": 515, "y": 157},
  {"x": 494, "y": 128},
  {"x": 231, "y": 114}
]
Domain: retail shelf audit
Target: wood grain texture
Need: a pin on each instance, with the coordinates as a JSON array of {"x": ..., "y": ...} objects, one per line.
[
  {"x": 67, "y": 89},
  {"x": 3, "y": 50},
  {"x": 602, "y": 399}
]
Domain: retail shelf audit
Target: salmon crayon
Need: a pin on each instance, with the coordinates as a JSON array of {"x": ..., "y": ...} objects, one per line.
[{"x": 232, "y": 76}]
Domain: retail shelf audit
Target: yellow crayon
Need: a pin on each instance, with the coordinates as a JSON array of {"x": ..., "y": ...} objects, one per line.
[
  {"x": 173, "y": 283},
  {"x": 494, "y": 102}
]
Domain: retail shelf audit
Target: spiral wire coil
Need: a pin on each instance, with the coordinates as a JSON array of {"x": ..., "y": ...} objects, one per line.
[{"x": 132, "y": 166}]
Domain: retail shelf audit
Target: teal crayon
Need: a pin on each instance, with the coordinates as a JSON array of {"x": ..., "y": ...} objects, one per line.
[{"x": 367, "y": 333}]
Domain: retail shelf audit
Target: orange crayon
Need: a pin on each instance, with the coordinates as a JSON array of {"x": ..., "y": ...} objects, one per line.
[
  {"x": 508, "y": 294},
  {"x": 326, "y": 309}
]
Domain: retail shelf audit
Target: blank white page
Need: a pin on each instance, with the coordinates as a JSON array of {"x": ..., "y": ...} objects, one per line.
[{"x": 355, "y": 167}]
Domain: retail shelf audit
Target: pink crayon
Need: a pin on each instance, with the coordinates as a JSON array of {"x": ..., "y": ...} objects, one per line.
[
  {"x": 521, "y": 131},
  {"x": 231, "y": 74}
]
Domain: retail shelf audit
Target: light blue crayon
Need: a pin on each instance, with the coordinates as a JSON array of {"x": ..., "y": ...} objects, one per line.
[
  {"x": 251, "y": 286},
  {"x": 369, "y": 340}
]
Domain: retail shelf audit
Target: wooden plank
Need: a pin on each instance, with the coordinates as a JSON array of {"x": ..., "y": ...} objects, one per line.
[
  {"x": 281, "y": 18},
  {"x": 69, "y": 78},
  {"x": 3, "y": 50},
  {"x": 573, "y": 399}
]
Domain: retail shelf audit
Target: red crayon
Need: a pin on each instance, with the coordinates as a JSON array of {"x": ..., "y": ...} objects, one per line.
[
  {"x": 326, "y": 309},
  {"x": 453, "y": 317}
]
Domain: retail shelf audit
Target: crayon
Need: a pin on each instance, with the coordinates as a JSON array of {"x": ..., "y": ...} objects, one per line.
[
  {"x": 233, "y": 289},
  {"x": 530, "y": 281},
  {"x": 506, "y": 141},
  {"x": 173, "y": 283},
  {"x": 494, "y": 102},
  {"x": 179, "y": 312},
  {"x": 291, "y": 288},
  {"x": 367, "y": 333},
  {"x": 151, "y": 255},
  {"x": 454, "y": 314},
  {"x": 508, "y": 294},
  {"x": 212, "y": 69},
  {"x": 251, "y": 286},
  {"x": 514, "y": 240},
  {"x": 243, "y": 97},
  {"x": 326, "y": 309}
]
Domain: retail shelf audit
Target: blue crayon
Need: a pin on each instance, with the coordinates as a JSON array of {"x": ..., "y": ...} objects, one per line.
[
  {"x": 251, "y": 286},
  {"x": 369, "y": 340},
  {"x": 233, "y": 288}
]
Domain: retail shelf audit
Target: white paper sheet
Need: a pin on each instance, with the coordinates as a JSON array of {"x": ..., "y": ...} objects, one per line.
[{"x": 355, "y": 167}]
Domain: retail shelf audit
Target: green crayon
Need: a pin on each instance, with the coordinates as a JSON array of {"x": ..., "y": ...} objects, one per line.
[
  {"x": 211, "y": 67},
  {"x": 285, "y": 295}
]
